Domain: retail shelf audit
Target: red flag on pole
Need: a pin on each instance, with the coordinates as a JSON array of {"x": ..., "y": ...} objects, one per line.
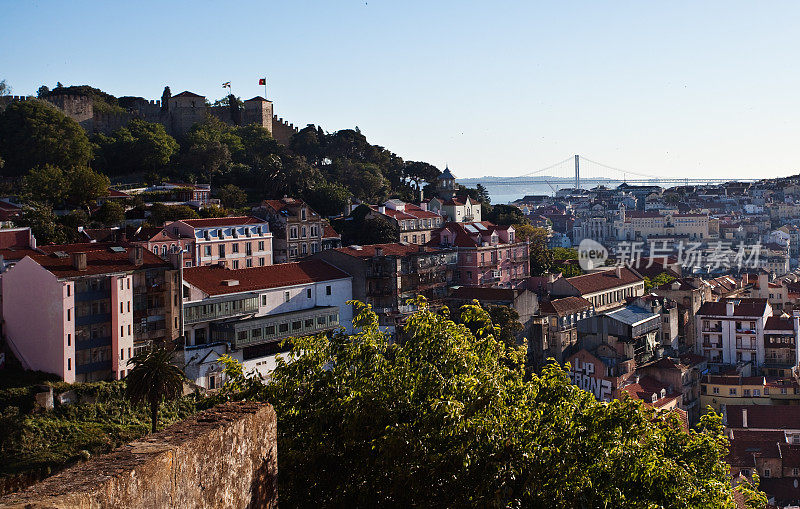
[{"x": 262, "y": 81}]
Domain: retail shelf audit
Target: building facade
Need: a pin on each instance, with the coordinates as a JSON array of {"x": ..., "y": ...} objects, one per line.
[
  {"x": 297, "y": 230},
  {"x": 233, "y": 242},
  {"x": 81, "y": 311},
  {"x": 247, "y": 313}
]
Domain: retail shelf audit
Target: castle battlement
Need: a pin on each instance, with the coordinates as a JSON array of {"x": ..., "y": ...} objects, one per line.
[{"x": 177, "y": 120}]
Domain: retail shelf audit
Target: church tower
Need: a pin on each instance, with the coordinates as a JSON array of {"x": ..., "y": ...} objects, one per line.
[{"x": 446, "y": 185}]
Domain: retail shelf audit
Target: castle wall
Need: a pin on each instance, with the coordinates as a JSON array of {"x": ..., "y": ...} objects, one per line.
[
  {"x": 282, "y": 131},
  {"x": 225, "y": 457},
  {"x": 177, "y": 121}
]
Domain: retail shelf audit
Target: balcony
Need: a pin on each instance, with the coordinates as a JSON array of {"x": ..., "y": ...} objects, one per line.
[
  {"x": 92, "y": 319},
  {"x": 92, "y": 295},
  {"x": 713, "y": 328},
  {"x": 93, "y": 366},
  {"x": 273, "y": 328},
  {"x": 85, "y": 344},
  {"x": 222, "y": 308}
]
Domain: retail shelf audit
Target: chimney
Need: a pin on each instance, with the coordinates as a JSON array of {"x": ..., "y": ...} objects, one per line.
[
  {"x": 744, "y": 417},
  {"x": 423, "y": 205},
  {"x": 136, "y": 255},
  {"x": 378, "y": 251},
  {"x": 618, "y": 270},
  {"x": 79, "y": 261},
  {"x": 729, "y": 306}
]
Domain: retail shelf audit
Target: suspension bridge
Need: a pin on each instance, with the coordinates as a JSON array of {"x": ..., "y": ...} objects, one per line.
[{"x": 579, "y": 171}]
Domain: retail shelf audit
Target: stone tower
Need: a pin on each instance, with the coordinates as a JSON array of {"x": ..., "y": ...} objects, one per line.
[{"x": 258, "y": 111}]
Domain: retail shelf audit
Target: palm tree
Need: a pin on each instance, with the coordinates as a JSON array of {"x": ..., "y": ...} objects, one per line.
[{"x": 153, "y": 379}]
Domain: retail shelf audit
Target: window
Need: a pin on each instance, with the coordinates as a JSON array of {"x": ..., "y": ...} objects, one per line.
[
  {"x": 745, "y": 392},
  {"x": 715, "y": 390},
  {"x": 129, "y": 329},
  {"x": 756, "y": 392},
  {"x": 241, "y": 335},
  {"x": 269, "y": 330},
  {"x": 155, "y": 249},
  {"x": 121, "y": 330},
  {"x": 235, "y": 264},
  {"x": 263, "y": 300},
  {"x": 308, "y": 293},
  {"x": 261, "y": 245},
  {"x": 767, "y": 472},
  {"x": 255, "y": 333},
  {"x": 121, "y": 353},
  {"x": 328, "y": 290},
  {"x": 795, "y": 472},
  {"x": 293, "y": 232},
  {"x": 303, "y": 214},
  {"x": 69, "y": 339},
  {"x": 285, "y": 296},
  {"x": 69, "y": 315},
  {"x": 235, "y": 248},
  {"x": 309, "y": 323},
  {"x": 69, "y": 364},
  {"x": 249, "y": 262},
  {"x": 284, "y": 327},
  {"x": 303, "y": 232},
  {"x": 207, "y": 251},
  {"x": 783, "y": 390},
  {"x": 261, "y": 262}
]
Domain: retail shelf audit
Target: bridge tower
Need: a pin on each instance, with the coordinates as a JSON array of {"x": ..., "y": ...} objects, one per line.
[{"x": 577, "y": 171}]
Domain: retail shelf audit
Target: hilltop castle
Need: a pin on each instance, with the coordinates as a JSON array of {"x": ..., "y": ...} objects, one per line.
[{"x": 176, "y": 113}]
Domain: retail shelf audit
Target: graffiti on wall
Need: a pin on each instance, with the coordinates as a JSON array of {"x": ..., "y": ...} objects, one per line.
[{"x": 583, "y": 375}]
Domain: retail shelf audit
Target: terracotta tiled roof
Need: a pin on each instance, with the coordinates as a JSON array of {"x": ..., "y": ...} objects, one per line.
[
  {"x": 99, "y": 260},
  {"x": 392, "y": 249},
  {"x": 605, "y": 280},
  {"x": 775, "y": 417},
  {"x": 742, "y": 307},
  {"x": 212, "y": 222},
  {"x": 779, "y": 323},
  {"x": 646, "y": 387},
  {"x": 410, "y": 211},
  {"x": 564, "y": 306},
  {"x": 17, "y": 253},
  {"x": 329, "y": 233},
  {"x": 735, "y": 380},
  {"x": 210, "y": 279},
  {"x": 113, "y": 193},
  {"x": 15, "y": 237}
]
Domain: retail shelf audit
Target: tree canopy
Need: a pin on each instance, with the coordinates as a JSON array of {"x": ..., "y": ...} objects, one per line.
[
  {"x": 33, "y": 133},
  {"x": 447, "y": 418}
]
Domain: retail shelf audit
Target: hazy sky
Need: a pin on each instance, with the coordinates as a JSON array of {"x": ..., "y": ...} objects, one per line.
[{"x": 684, "y": 88}]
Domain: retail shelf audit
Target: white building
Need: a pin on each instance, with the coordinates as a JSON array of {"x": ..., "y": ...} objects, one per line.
[
  {"x": 247, "y": 313},
  {"x": 731, "y": 331}
]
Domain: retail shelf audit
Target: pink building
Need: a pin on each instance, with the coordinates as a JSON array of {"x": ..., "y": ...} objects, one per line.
[
  {"x": 163, "y": 242},
  {"x": 488, "y": 254},
  {"x": 73, "y": 314},
  {"x": 232, "y": 242}
]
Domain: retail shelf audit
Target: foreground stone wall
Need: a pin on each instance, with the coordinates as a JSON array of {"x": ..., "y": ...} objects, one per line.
[{"x": 225, "y": 457}]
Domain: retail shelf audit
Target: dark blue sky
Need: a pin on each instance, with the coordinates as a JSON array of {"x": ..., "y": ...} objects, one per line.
[{"x": 492, "y": 88}]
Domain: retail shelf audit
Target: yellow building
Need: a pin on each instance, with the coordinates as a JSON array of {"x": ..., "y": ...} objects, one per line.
[{"x": 719, "y": 390}]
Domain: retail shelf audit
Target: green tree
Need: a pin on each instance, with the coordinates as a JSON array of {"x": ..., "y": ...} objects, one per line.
[
  {"x": 43, "y": 223},
  {"x": 657, "y": 281},
  {"x": 110, "y": 213},
  {"x": 138, "y": 147},
  {"x": 35, "y": 134},
  {"x": 5, "y": 88},
  {"x": 443, "y": 417},
  {"x": 85, "y": 186},
  {"x": 483, "y": 194},
  {"x": 160, "y": 213},
  {"x": 524, "y": 232},
  {"x": 45, "y": 184},
  {"x": 329, "y": 199},
  {"x": 153, "y": 379},
  {"x": 540, "y": 255},
  {"x": 232, "y": 197},
  {"x": 505, "y": 215}
]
